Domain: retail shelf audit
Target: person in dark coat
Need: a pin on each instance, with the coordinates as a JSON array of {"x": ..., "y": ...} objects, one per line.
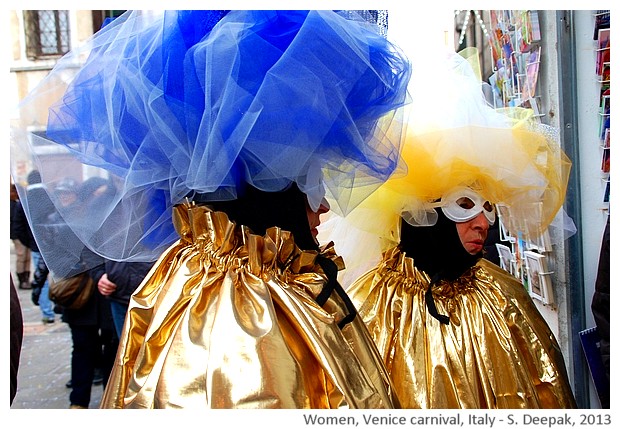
[
  {"x": 94, "y": 345},
  {"x": 600, "y": 303},
  {"x": 27, "y": 218},
  {"x": 117, "y": 281},
  {"x": 17, "y": 335},
  {"x": 22, "y": 251},
  {"x": 36, "y": 194},
  {"x": 92, "y": 330}
]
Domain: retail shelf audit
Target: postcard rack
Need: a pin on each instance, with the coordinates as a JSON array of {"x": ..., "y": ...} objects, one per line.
[
  {"x": 602, "y": 34},
  {"x": 515, "y": 47}
]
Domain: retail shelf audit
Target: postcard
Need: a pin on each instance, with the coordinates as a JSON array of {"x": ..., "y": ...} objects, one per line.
[{"x": 538, "y": 279}]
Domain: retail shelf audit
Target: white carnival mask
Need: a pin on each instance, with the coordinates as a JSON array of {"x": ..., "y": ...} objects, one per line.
[{"x": 463, "y": 204}]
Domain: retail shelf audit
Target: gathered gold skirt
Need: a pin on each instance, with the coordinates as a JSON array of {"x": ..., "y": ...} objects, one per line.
[
  {"x": 496, "y": 352},
  {"x": 227, "y": 319}
]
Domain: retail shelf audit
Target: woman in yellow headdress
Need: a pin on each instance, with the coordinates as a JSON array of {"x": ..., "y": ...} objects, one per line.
[{"x": 455, "y": 330}]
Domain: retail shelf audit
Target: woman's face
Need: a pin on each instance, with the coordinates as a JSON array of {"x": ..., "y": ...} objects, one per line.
[
  {"x": 473, "y": 233},
  {"x": 314, "y": 218}
]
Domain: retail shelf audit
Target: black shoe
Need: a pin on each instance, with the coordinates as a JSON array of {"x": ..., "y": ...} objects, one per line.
[
  {"x": 24, "y": 280},
  {"x": 69, "y": 384},
  {"x": 35, "y": 294}
]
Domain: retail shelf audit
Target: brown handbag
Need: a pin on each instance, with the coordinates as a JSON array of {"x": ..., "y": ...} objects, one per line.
[{"x": 72, "y": 292}]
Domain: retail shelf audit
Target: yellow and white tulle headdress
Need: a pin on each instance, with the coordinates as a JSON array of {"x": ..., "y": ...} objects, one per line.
[{"x": 454, "y": 138}]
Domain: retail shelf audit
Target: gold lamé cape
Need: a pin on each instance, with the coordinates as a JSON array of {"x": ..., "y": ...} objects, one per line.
[
  {"x": 228, "y": 319},
  {"x": 496, "y": 352}
]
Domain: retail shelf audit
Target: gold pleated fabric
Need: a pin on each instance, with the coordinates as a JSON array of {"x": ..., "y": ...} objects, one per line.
[
  {"x": 496, "y": 352},
  {"x": 227, "y": 319}
]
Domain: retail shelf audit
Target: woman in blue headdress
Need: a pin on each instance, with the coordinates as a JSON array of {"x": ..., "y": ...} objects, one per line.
[{"x": 225, "y": 133}]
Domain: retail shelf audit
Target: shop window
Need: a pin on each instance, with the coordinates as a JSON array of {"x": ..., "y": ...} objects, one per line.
[
  {"x": 47, "y": 33},
  {"x": 104, "y": 17}
]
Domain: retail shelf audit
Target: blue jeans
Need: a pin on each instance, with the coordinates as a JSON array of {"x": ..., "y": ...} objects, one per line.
[
  {"x": 119, "y": 311},
  {"x": 46, "y": 306}
]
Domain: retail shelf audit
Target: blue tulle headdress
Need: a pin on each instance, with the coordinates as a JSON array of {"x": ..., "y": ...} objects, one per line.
[{"x": 197, "y": 105}]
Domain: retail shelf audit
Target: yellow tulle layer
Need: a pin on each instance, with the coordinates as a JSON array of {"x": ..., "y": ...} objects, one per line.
[
  {"x": 227, "y": 319},
  {"x": 454, "y": 138},
  {"x": 496, "y": 352},
  {"x": 518, "y": 168}
]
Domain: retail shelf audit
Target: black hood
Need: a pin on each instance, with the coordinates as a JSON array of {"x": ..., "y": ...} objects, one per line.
[
  {"x": 437, "y": 250},
  {"x": 260, "y": 210}
]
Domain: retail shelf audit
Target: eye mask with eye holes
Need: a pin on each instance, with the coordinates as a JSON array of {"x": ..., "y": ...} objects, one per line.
[{"x": 464, "y": 204}]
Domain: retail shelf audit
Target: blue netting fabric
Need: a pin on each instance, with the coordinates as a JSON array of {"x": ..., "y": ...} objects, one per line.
[{"x": 167, "y": 106}]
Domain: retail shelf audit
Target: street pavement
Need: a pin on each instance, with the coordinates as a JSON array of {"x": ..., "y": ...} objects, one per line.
[{"x": 45, "y": 361}]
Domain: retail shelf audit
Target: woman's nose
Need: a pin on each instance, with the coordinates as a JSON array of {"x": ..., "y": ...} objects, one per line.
[
  {"x": 481, "y": 221},
  {"x": 323, "y": 208}
]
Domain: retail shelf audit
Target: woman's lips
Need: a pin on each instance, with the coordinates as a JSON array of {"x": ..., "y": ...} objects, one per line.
[{"x": 475, "y": 246}]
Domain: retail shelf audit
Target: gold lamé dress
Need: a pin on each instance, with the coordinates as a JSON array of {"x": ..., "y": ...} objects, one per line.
[
  {"x": 227, "y": 319},
  {"x": 496, "y": 352}
]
